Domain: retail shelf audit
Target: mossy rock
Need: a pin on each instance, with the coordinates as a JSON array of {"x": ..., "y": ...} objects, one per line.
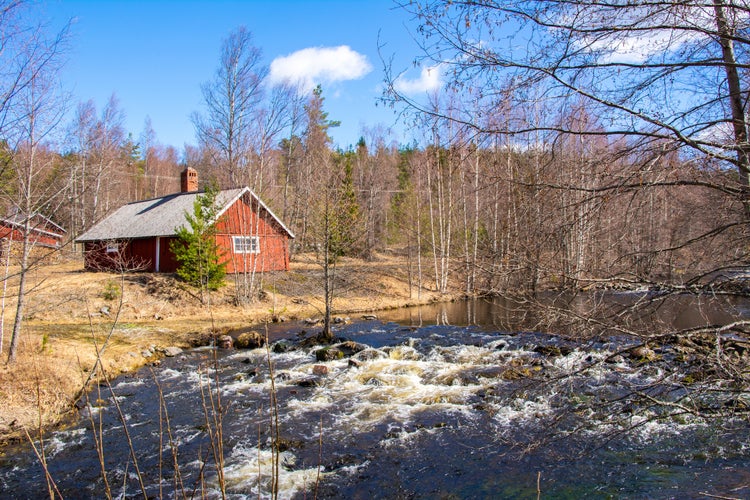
[
  {"x": 282, "y": 346},
  {"x": 350, "y": 348},
  {"x": 642, "y": 353},
  {"x": 329, "y": 354},
  {"x": 249, "y": 340},
  {"x": 548, "y": 350}
]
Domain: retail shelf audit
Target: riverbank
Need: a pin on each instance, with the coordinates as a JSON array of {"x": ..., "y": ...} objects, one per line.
[{"x": 134, "y": 317}]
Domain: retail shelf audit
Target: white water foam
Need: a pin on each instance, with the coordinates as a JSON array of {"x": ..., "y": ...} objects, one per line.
[{"x": 249, "y": 471}]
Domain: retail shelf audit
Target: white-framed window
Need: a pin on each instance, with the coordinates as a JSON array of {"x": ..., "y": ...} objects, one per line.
[
  {"x": 113, "y": 247},
  {"x": 246, "y": 244}
]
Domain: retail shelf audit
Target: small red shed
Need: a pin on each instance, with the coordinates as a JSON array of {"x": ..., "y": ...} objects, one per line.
[
  {"x": 42, "y": 231},
  {"x": 138, "y": 235}
]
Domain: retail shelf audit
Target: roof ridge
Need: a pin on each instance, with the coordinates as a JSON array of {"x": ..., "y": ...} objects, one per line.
[{"x": 178, "y": 193}]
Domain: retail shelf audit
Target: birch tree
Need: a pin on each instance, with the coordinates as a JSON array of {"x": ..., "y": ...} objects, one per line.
[
  {"x": 31, "y": 113},
  {"x": 231, "y": 100},
  {"x": 97, "y": 164}
]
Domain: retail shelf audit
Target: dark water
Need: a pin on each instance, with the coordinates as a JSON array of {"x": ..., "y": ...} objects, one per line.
[
  {"x": 462, "y": 400},
  {"x": 640, "y": 312}
]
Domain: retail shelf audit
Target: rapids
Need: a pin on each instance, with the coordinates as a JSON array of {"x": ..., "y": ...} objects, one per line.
[{"x": 431, "y": 411}]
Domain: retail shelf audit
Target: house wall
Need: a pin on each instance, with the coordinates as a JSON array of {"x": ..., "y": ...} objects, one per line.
[
  {"x": 241, "y": 220},
  {"x": 95, "y": 256},
  {"x": 133, "y": 255},
  {"x": 167, "y": 260}
]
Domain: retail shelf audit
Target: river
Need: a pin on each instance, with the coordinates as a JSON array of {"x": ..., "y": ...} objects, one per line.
[{"x": 463, "y": 400}]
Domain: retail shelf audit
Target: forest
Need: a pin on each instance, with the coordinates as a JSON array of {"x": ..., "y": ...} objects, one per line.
[{"x": 518, "y": 191}]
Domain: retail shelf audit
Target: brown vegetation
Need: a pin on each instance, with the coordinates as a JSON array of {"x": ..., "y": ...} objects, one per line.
[{"x": 72, "y": 312}]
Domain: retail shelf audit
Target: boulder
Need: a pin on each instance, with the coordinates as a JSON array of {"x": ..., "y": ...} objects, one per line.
[
  {"x": 369, "y": 354},
  {"x": 615, "y": 359},
  {"x": 201, "y": 339},
  {"x": 224, "y": 342},
  {"x": 320, "y": 370},
  {"x": 642, "y": 353},
  {"x": 170, "y": 352},
  {"x": 350, "y": 348},
  {"x": 249, "y": 340},
  {"x": 282, "y": 346},
  {"x": 548, "y": 350},
  {"x": 328, "y": 354},
  {"x": 309, "y": 382}
]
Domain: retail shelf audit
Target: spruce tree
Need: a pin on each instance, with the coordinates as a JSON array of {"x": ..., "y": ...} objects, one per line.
[{"x": 197, "y": 253}]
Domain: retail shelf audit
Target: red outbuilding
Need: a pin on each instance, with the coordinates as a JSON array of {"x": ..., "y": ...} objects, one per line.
[
  {"x": 41, "y": 230},
  {"x": 138, "y": 235}
]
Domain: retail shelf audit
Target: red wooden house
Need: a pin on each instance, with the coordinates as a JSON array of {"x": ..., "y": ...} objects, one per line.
[
  {"x": 42, "y": 231},
  {"x": 138, "y": 235}
]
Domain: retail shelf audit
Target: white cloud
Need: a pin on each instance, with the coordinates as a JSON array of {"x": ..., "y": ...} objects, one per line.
[
  {"x": 430, "y": 79},
  {"x": 640, "y": 33},
  {"x": 319, "y": 65},
  {"x": 720, "y": 134},
  {"x": 635, "y": 49}
]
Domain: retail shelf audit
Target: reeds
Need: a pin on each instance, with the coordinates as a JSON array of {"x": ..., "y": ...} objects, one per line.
[{"x": 214, "y": 411}]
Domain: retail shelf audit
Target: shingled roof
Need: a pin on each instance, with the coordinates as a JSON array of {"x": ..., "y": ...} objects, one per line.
[
  {"x": 162, "y": 216},
  {"x": 39, "y": 223}
]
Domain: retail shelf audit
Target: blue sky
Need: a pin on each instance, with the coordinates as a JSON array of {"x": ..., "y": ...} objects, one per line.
[{"x": 154, "y": 55}]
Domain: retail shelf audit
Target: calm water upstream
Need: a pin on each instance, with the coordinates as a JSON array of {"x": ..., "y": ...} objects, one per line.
[{"x": 462, "y": 400}]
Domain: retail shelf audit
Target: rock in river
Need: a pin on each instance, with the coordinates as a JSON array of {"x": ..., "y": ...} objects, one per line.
[{"x": 249, "y": 340}]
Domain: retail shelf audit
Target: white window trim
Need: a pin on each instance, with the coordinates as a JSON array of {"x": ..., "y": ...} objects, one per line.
[
  {"x": 113, "y": 247},
  {"x": 246, "y": 244}
]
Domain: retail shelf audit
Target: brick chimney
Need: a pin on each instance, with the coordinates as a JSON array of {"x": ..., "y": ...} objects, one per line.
[{"x": 188, "y": 180}]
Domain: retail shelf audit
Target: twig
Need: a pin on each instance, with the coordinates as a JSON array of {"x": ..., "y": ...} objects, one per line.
[
  {"x": 97, "y": 436},
  {"x": 275, "y": 424},
  {"x": 538, "y": 485},
  {"x": 718, "y": 496},
  {"x": 100, "y": 352},
  {"x": 213, "y": 418},
  {"x": 40, "y": 453},
  {"x": 129, "y": 440},
  {"x": 320, "y": 456},
  {"x": 40, "y": 456},
  {"x": 178, "y": 484}
]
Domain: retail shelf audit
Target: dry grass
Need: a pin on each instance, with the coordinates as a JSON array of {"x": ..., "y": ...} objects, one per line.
[{"x": 71, "y": 312}]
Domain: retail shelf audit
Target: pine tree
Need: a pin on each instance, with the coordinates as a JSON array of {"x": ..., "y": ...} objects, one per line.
[
  {"x": 196, "y": 250},
  {"x": 346, "y": 219}
]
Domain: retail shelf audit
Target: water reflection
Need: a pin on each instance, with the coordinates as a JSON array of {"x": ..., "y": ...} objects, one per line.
[{"x": 583, "y": 313}]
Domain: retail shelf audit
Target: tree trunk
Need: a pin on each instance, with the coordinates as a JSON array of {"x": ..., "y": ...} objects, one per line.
[
  {"x": 739, "y": 119},
  {"x": 18, "y": 323},
  {"x": 326, "y": 335}
]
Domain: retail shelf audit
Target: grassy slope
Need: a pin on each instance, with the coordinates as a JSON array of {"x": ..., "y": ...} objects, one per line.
[{"x": 71, "y": 311}]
